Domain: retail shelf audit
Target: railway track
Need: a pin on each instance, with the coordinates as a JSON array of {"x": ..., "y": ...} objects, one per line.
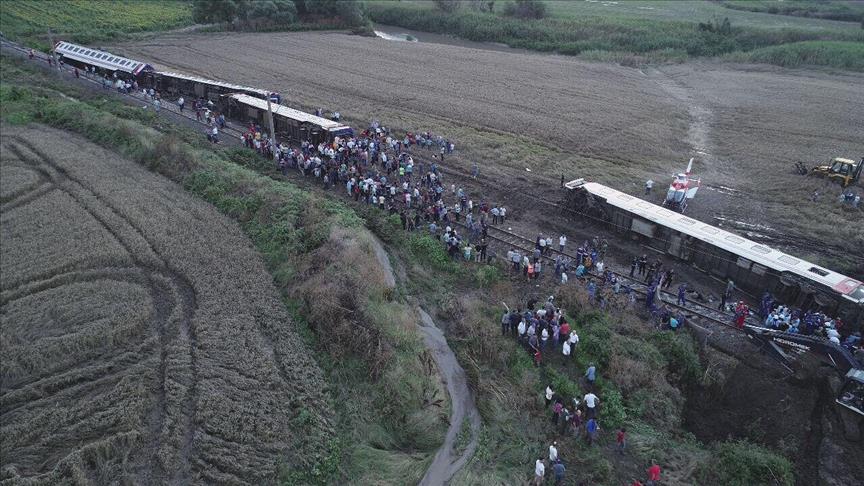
[{"x": 505, "y": 238}]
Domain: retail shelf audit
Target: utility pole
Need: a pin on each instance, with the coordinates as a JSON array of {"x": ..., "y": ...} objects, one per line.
[
  {"x": 51, "y": 50},
  {"x": 272, "y": 130}
]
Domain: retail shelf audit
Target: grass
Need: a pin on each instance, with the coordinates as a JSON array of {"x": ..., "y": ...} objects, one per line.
[
  {"x": 833, "y": 10},
  {"x": 632, "y": 32},
  {"x": 842, "y": 55},
  {"x": 89, "y": 21},
  {"x": 389, "y": 408}
]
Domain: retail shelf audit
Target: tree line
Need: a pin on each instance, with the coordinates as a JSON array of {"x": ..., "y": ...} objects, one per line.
[{"x": 274, "y": 13}]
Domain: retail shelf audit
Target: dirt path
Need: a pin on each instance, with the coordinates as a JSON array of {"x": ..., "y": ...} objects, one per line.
[{"x": 448, "y": 460}]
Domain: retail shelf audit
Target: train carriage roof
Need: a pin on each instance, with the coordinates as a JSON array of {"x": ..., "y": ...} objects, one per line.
[
  {"x": 212, "y": 82},
  {"x": 737, "y": 245},
  {"x": 297, "y": 115},
  {"x": 101, "y": 59}
]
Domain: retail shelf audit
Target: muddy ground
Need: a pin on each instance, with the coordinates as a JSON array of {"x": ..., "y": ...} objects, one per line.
[{"x": 745, "y": 124}]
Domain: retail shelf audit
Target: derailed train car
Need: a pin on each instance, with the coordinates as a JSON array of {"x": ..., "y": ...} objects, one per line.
[
  {"x": 753, "y": 266},
  {"x": 104, "y": 62},
  {"x": 290, "y": 124},
  {"x": 174, "y": 85}
]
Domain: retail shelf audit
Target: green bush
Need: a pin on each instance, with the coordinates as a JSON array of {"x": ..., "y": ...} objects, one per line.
[
  {"x": 741, "y": 463},
  {"x": 682, "y": 358},
  {"x": 488, "y": 275}
]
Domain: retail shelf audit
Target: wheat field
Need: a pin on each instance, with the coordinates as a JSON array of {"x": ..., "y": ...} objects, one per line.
[{"x": 143, "y": 340}]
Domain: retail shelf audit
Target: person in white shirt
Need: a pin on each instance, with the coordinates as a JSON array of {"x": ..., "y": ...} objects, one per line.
[
  {"x": 562, "y": 242},
  {"x": 549, "y": 394},
  {"x": 566, "y": 349},
  {"x": 553, "y": 452},
  {"x": 502, "y": 214},
  {"x": 521, "y": 328},
  {"x": 600, "y": 266},
  {"x": 539, "y": 471},
  {"x": 591, "y": 402},
  {"x": 564, "y": 277},
  {"x": 648, "y": 185}
]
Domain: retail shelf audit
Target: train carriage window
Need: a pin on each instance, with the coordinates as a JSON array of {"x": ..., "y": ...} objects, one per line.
[
  {"x": 735, "y": 239},
  {"x": 758, "y": 269},
  {"x": 761, "y": 249},
  {"x": 743, "y": 262},
  {"x": 819, "y": 271}
]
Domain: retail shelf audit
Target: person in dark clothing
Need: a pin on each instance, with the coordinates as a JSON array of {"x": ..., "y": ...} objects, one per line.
[{"x": 633, "y": 265}]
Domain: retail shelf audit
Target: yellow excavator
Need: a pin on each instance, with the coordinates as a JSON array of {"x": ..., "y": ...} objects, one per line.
[{"x": 844, "y": 171}]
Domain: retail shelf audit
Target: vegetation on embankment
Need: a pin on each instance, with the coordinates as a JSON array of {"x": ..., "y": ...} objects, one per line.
[
  {"x": 390, "y": 407},
  {"x": 623, "y": 38},
  {"x": 823, "y": 9},
  {"x": 644, "y": 376},
  {"x": 88, "y": 22}
]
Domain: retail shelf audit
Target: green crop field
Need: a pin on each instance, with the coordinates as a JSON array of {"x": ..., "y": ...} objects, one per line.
[
  {"x": 86, "y": 21},
  {"x": 642, "y": 31}
]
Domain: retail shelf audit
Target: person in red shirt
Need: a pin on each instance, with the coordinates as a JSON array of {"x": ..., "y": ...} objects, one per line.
[
  {"x": 621, "y": 439},
  {"x": 653, "y": 474},
  {"x": 564, "y": 332}
]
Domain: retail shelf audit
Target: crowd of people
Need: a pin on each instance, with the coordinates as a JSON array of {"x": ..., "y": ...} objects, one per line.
[{"x": 809, "y": 323}]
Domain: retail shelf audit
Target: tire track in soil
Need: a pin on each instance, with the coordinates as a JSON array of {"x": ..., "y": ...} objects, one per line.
[{"x": 164, "y": 306}]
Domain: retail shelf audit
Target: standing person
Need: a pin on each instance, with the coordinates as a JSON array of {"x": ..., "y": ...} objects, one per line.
[
  {"x": 633, "y": 265},
  {"x": 653, "y": 474},
  {"x": 553, "y": 452},
  {"x": 682, "y": 294},
  {"x": 474, "y": 170},
  {"x": 723, "y": 299},
  {"x": 621, "y": 440},
  {"x": 591, "y": 374},
  {"x": 562, "y": 242},
  {"x": 181, "y": 103},
  {"x": 642, "y": 263},
  {"x": 215, "y": 134},
  {"x": 591, "y": 429},
  {"x": 549, "y": 394},
  {"x": 539, "y": 467},
  {"x": 648, "y": 185},
  {"x": 558, "y": 468},
  {"x": 505, "y": 324},
  {"x": 591, "y": 402}
]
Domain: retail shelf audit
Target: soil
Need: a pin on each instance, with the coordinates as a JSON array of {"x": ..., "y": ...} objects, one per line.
[{"x": 557, "y": 115}]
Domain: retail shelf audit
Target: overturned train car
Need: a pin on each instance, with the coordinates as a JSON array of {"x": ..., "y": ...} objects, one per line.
[{"x": 753, "y": 266}]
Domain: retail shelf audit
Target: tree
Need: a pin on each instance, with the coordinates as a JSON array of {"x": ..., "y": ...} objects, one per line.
[
  {"x": 526, "y": 9},
  {"x": 448, "y": 6},
  {"x": 211, "y": 11},
  {"x": 350, "y": 11}
]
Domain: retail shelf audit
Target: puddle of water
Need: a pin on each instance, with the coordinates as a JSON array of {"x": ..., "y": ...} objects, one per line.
[{"x": 395, "y": 37}]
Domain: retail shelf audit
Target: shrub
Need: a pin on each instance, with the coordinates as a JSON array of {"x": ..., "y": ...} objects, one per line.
[
  {"x": 526, "y": 9},
  {"x": 741, "y": 463},
  {"x": 448, "y": 6},
  {"x": 488, "y": 275}
]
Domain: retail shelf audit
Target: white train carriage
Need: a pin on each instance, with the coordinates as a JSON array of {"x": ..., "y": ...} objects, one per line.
[
  {"x": 104, "y": 62},
  {"x": 289, "y": 123},
  {"x": 174, "y": 85},
  {"x": 752, "y": 266}
]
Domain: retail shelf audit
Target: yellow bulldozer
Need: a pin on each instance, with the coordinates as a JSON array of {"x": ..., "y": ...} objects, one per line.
[{"x": 844, "y": 171}]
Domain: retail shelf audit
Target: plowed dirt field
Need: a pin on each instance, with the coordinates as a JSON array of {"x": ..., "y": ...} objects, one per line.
[
  {"x": 143, "y": 341},
  {"x": 746, "y": 125}
]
